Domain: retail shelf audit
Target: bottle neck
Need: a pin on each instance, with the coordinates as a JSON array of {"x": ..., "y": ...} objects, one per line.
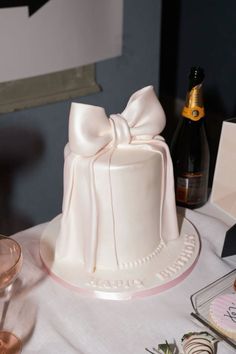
[{"x": 194, "y": 108}]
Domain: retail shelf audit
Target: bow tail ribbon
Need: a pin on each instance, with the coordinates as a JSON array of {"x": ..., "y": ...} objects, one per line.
[
  {"x": 91, "y": 242},
  {"x": 170, "y": 230}
]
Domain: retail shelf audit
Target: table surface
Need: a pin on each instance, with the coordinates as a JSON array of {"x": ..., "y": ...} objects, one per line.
[{"x": 53, "y": 319}]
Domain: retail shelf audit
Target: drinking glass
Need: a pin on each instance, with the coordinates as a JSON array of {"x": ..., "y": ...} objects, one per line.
[{"x": 10, "y": 265}]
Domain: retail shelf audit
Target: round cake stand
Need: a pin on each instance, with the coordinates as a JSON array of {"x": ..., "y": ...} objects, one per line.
[{"x": 163, "y": 271}]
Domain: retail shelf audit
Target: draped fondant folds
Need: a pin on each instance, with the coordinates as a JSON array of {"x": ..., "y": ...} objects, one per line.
[{"x": 118, "y": 205}]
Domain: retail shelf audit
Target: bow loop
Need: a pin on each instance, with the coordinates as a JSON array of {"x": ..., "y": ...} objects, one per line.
[
  {"x": 89, "y": 129},
  {"x": 144, "y": 113}
]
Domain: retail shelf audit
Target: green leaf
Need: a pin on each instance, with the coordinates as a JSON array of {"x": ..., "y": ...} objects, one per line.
[{"x": 165, "y": 348}]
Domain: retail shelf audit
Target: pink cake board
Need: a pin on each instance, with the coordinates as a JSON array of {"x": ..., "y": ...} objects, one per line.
[{"x": 167, "y": 269}]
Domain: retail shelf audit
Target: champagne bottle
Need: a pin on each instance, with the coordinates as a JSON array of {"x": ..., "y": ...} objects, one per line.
[{"x": 189, "y": 147}]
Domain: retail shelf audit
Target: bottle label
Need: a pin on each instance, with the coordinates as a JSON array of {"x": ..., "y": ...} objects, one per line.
[
  {"x": 191, "y": 188},
  {"x": 194, "y": 113}
]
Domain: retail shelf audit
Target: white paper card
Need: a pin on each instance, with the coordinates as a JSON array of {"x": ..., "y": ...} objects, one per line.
[
  {"x": 60, "y": 35},
  {"x": 224, "y": 185}
]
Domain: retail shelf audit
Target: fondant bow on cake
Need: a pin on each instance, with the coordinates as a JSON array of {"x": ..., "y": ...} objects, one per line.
[
  {"x": 91, "y": 133},
  {"x": 90, "y": 130}
]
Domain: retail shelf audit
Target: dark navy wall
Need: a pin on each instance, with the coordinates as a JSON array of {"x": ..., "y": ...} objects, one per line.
[
  {"x": 207, "y": 37},
  {"x": 32, "y": 141},
  {"x": 201, "y": 33}
]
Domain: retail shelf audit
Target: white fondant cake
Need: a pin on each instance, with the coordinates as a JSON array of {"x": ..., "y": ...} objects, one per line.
[
  {"x": 119, "y": 216},
  {"x": 127, "y": 210}
]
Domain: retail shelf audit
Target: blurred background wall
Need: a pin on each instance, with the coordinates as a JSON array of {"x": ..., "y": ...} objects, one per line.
[
  {"x": 32, "y": 140},
  {"x": 199, "y": 33},
  {"x": 161, "y": 41}
]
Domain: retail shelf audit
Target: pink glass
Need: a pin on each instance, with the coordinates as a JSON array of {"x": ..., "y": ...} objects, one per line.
[{"x": 10, "y": 265}]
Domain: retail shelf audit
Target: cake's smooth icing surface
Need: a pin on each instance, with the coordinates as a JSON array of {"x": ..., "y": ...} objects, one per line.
[
  {"x": 223, "y": 314},
  {"x": 118, "y": 206},
  {"x": 118, "y": 236}
]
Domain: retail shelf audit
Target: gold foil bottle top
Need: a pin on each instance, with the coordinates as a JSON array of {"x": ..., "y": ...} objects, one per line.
[
  {"x": 194, "y": 108},
  {"x": 195, "y": 97}
]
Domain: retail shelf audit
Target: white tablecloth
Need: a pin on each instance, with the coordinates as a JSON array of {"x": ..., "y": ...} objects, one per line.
[{"x": 53, "y": 319}]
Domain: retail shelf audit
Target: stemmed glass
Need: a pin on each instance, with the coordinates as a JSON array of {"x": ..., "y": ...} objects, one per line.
[{"x": 10, "y": 265}]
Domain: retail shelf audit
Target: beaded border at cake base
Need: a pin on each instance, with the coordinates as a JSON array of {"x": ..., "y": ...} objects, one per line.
[{"x": 168, "y": 268}]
